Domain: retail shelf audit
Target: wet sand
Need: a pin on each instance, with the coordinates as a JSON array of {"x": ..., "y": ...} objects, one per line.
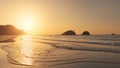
[{"x": 92, "y": 60}]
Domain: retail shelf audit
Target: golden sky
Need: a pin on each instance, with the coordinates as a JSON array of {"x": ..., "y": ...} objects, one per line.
[{"x": 57, "y": 16}]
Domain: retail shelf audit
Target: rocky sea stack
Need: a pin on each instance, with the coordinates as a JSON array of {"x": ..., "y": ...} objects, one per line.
[
  {"x": 113, "y": 34},
  {"x": 85, "y": 33},
  {"x": 69, "y": 32},
  {"x": 10, "y": 30}
]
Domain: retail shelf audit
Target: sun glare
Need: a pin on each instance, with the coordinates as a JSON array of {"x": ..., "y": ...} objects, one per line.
[{"x": 26, "y": 23}]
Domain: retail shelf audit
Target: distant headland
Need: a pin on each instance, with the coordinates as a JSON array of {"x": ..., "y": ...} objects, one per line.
[{"x": 10, "y": 30}]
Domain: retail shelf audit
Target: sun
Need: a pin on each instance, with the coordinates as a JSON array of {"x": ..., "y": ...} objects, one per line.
[{"x": 26, "y": 23}]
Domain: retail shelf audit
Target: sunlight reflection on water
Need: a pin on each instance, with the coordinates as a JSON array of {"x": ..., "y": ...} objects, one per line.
[
  {"x": 27, "y": 50},
  {"x": 31, "y": 51},
  {"x": 26, "y": 47}
]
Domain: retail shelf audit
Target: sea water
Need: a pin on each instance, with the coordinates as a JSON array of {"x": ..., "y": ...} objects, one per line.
[{"x": 53, "y": 50}]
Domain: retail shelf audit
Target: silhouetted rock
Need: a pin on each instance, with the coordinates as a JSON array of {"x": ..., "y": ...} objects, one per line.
[
  {"x": 69, "y": 32},
  {"x": 85, "y": 33},
  {"x": 10, "y": 30},
  {"x": 113, "y": 34}
]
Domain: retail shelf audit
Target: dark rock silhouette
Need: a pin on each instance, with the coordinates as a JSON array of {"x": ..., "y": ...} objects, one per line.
[
  {"x": 69, "y": 32},
  {"x": 85, "y": 33},
  {"x": 113, "y": 34},
  {"x": 10, "y": 30}
]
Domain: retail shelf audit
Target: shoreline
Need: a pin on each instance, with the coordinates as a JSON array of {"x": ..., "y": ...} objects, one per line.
[{"x": 78, "y": 64}]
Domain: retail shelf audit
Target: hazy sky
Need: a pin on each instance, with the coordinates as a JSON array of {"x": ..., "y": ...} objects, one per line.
[{"x": 57, "y": 16}]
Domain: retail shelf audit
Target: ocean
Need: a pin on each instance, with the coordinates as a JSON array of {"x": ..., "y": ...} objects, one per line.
[{"x": 57, "y": 50}]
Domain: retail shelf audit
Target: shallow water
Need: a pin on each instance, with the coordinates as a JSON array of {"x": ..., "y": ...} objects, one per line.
[{"x": 58, "y": 50}]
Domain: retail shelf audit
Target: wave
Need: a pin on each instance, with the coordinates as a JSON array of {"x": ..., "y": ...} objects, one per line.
[
  {"x": 73, "y": 62},
  {"x": 84, "y": 47},
  {"x": 98, "y": 43}
]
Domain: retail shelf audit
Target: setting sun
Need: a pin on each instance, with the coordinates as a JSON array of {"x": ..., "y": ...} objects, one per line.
[{"x": 26, "y": 23}]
